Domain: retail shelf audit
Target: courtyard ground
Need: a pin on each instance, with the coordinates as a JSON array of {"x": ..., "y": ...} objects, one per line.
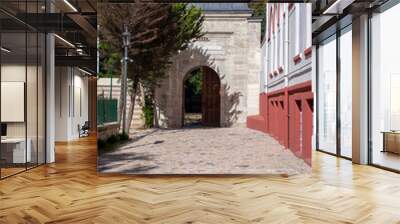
[{"x": 235, "y": 150}]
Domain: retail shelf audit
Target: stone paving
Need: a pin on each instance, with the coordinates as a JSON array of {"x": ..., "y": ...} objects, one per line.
[{"x": 236, "y": 150}]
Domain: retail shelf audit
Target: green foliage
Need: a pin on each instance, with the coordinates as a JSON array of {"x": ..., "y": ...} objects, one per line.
[
  {"x": 148, "y": 115},
  {"x": 110, "y": 60},
  {"x": 158, "y": 32},
  {"x": 113, "y": 139},
  {"x": 195, "y": 81},
  {"x": 111, "y": 143},
  {"x": 101, "y": 144},
  {"x": 148, "y": 110},
  {"x": 189, "y": 21},
  {"x": 123, "y": 136},
  {"x": 259, "y": 10}
]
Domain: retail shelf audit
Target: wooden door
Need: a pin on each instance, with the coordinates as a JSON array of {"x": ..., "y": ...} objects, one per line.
[{"x": 210, "y": 98}]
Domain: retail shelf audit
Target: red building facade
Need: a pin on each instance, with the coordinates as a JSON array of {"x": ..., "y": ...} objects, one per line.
[{"x": 286, "y": 96}]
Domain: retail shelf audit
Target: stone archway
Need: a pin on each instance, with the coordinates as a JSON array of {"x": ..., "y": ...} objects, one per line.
[
  {"x": 230, "y": 47},
  {"x": 210, "y": 105},
  {"x": 168, "y": 98}
]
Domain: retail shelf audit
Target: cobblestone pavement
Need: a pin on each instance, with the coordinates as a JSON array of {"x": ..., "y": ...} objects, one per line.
[{"x": 236, "y": 150}]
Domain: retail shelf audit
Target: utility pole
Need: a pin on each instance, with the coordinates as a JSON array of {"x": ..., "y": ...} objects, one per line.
[{"x": 126, "y": 35}]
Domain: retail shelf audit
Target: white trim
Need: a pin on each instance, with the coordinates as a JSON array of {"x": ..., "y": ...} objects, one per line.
[
  {"x": 70, "y": 5},
  {"x": 5, "y": 50},
  {"x": 64, "y": 40},
  {"x": 84, "y": 71}
]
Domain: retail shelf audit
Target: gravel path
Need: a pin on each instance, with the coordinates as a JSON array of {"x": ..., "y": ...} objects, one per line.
[{"x": 236, "y": 150}]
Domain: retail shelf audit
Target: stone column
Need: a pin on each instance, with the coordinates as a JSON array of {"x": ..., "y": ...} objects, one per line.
[
  {"x": 50, "y": 98},
  {"x": 360, "y": 90}
]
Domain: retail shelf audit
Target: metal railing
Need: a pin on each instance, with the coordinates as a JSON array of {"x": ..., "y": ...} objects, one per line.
[{"x": 107, "y": 110}]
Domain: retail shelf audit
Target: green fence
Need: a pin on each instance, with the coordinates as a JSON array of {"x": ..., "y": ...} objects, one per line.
[{"x": 107, "y": 110}]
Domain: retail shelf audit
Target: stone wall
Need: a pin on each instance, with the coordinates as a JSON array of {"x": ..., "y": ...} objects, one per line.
[
  {"x": 231, "y": 46},
  {"x": 107, "y": 130}
]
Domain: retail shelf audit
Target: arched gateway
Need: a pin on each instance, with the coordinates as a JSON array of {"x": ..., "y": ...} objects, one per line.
[
  {"x": 229, "y": 55},
  {"x": 202, "y": 98}
]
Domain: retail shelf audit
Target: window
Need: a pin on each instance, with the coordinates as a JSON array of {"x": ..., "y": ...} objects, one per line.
[
  {"x": 270, "y": 17},
  {"x": 276, "y": 34},
  {"x": 302, "y": 33},
  {"x": 22, "y": 76},
  {"x": 284, "y": 50},
  {"x": 269, "y": 57},
  {"x": 346, "y": 92},
  {"x": 334, "y": 94},
  {"x": 281, "y": 40},
  {"x": 327, "y": 95},
  {"x": 292, "y": 36},
  {"x": 385, "y": 89},
  {"x": 279, "y": 46},
  {"x": 297, "y": 28}
]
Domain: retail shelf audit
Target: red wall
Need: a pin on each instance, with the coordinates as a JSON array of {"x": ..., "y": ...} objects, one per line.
[{"x": 287, "y": 114}]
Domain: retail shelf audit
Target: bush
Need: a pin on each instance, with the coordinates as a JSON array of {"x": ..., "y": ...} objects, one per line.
[
  {"x": 111, "y": 143},
  {"x": 123, "y": 136},
  {"x": 101, "y": 144},
  {"x": 113, "y": 139},
  {"x": 148, "y": 110}
]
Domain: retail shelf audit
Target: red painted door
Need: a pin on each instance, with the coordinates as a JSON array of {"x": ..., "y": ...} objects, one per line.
[
  {"x": 210, "y": 98},
  {"x": 307, "y": 129}
]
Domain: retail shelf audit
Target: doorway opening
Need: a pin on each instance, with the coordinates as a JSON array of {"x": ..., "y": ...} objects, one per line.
[
  {"x": 201, "y": 98},
  {"x": 192, "y": 95}
]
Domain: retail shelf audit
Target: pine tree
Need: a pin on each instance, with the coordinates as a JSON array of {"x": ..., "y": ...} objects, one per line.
[{"x": 158, "y": 31}]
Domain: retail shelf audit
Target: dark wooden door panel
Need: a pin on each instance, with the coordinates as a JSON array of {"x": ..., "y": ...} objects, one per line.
[{"x": 210, "y": 98}]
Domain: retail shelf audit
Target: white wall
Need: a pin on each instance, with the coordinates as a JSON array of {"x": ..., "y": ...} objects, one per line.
[
  {"x": 12, "y": 73},
  {"x": 61, "y": 104},
  {"x": 71, "y": 102},
  {"x": 33, "y": 126},
  {"x": 17, "y": 73}
]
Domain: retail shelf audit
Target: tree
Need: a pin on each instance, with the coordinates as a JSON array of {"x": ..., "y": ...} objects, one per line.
[
  {"x": 195, "y": 81},
  {"x": 158, "y": 32},
  {"x": 110, "y": 64},
  {"x": 259, "y": 10},
  {"x": 143, "y": 20},
  {"x": 109, "y": 60}
]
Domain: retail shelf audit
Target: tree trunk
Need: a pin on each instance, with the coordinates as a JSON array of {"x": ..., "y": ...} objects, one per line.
[{"x": 132, "y": 106}]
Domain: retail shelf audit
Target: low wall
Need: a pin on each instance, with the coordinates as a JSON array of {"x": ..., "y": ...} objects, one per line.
[
  {"x": 286, "y": 115},
  {"x": 106, "y": 130}
]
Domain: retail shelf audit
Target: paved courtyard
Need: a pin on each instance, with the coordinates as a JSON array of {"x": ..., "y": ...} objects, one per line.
[{"x": 236, "y": 150}]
